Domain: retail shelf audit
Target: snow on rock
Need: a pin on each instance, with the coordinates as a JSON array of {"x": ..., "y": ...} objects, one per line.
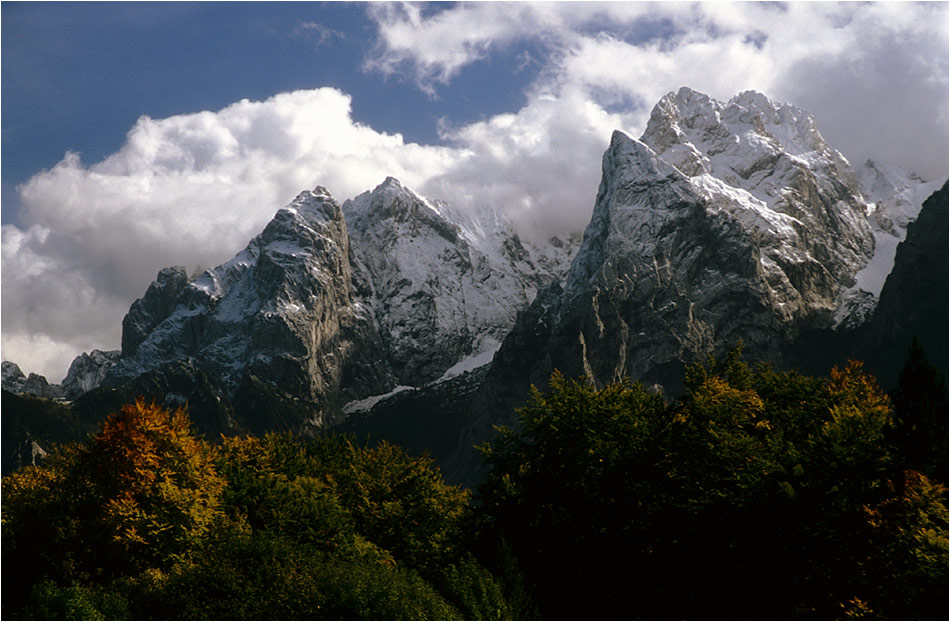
[
  {"x": 336, "y": 305},
  {"x": 849, "y": 223},
  {"x": 894, "y": 200},
  {"x": 472, "y": 362},
  {"x": 445, "y": 284},
  {"x": 365, "y": 404},
  {"x": 15, "y": 381},
  {"x": 726, "y": 221},
  {"x": 87, "y": 371},
  {"x": 281, "y": 312}
]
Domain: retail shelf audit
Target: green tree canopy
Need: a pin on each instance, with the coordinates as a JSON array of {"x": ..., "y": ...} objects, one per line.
[
  {"x": 147, "y": 519},
  {"x": 140, "y": 492},
  {"x": 759, "y": 494}
]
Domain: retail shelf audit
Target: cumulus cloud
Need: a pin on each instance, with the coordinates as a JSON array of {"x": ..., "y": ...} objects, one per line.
[
  {"x": 433, "y": 49},
  {"x": 193, "y": 189},
  {"x": 882, "y": 91},
  {"x": 875, "y": 75},
  {"x": 541, "y": 166},
  {"x": 190, "y": 189}
]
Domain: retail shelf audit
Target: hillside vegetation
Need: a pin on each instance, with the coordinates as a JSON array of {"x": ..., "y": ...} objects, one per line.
[{"x": 758, "y": 494}]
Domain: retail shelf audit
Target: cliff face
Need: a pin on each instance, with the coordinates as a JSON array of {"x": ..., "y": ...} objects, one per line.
[
  {"x": 725, "y": 223},
  {"x": 443, "y": 286},
  {"x": 914, "y": 299},
  {"x": 330, "y": 307},
  {"x": 281, "y": 313}
]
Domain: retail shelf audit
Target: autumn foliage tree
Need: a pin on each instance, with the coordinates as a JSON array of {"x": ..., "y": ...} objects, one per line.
[
  {"x": 759, "y": 494},
  {"x": 140, "y": 492},
  {"x": 146, "y": 519},
  {"x": 157, "y": 484}
]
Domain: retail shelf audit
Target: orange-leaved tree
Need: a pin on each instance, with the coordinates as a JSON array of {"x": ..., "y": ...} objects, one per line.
[
  {"x": 137, "y": 495},
  {"x": 158, "y": 483}
]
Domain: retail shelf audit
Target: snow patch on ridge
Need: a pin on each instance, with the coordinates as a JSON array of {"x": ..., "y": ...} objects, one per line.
[
  {"x": 472, "y": 362},
  {"x": 367, "y": 403},
  {"x": 765, "y": 164},
  {"x": 895, "y": 198}
]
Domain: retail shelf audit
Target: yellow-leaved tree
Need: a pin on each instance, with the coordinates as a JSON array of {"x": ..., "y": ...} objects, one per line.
[
  {"x": 158, "y": 484},
  {"x": 136, "y": 496}
]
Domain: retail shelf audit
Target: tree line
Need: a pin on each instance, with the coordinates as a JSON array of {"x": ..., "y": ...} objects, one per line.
[{"x": 757, "y": 494}]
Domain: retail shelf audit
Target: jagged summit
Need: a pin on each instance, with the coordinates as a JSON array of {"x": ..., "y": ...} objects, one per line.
[
  {"x": 446, "y": 286},
  {"x": 626, "y": 157},
  {"x": 620, "y": 225},
  {"x": 281, "y": 312},
  {"x": 724, "y": 223},
  {"x": 748, "y": 142},
  {"x": 392, "y": 200},
  {"x": 316, "y": 204},
  {"x": 772, "y": 159},
  {"x": 87, "y": 371},
  {"x": 334, "y": 304},
  {"x": 15, "y": 381}
]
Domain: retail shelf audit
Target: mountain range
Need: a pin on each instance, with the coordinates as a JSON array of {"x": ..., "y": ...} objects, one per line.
[{"x": 398, "y": 316}]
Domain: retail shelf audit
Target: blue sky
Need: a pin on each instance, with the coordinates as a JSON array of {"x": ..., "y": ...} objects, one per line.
[
  {"x": 141, "y": 135},
  {"x": 76, "y": 75}
]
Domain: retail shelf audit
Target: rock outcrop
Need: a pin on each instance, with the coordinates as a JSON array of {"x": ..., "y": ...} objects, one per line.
[
  {"x": 330, "y": 306},
  {"x": 15, "y": 381},
  {"x": 726, "y": 223},
  {"x": 87, "y": 371}
]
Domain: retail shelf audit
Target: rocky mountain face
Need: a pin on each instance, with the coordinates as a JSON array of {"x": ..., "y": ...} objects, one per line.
[
  {"x": 443, "y": 286},
  {"x": 393, "y": 315},
  {"x": 87, "y": 371},
  {"x": 725, "y": 223},
  {"x": 15, "y": 381},
  {"x": 330, "y": 307},
  {"x": 913, "y": 302},
  {"x": 282, "y": 313}
]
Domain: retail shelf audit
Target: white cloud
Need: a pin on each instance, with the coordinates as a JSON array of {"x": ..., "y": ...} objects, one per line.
[
  {"x": 873, "y": 74},
  {"x": 190, "y": 189},
  {"x": 541, "y": 166},
  {"x": 881, "y": 93},
  {"x": 435, "y": 48},
  {"x": 317, "y": 33}
]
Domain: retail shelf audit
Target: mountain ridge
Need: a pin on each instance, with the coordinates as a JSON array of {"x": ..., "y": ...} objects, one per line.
[{"x": 725, "y": 222}]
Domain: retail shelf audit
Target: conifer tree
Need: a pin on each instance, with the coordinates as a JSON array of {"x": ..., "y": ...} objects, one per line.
[{"x": 920, "y": 415}]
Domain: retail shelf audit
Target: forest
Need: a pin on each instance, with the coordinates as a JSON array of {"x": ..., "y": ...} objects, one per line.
[{"x": 757, "y": 493}]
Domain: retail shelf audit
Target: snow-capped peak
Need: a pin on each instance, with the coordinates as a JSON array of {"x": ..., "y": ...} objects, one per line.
[
  {"x": 315, "y": 206},
  {"x": 446, "y": 283},
  {"x": 894, "y": 199},
  {"x": 749, "y": 142},
  {"x": 766, "y": 168},
  {"x": 391, "y": 199}
]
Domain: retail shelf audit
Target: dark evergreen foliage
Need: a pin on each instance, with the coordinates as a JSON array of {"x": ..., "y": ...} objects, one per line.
[
  {"x": 920, "y": 415},
  {"x": 759, "y": 494}
]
